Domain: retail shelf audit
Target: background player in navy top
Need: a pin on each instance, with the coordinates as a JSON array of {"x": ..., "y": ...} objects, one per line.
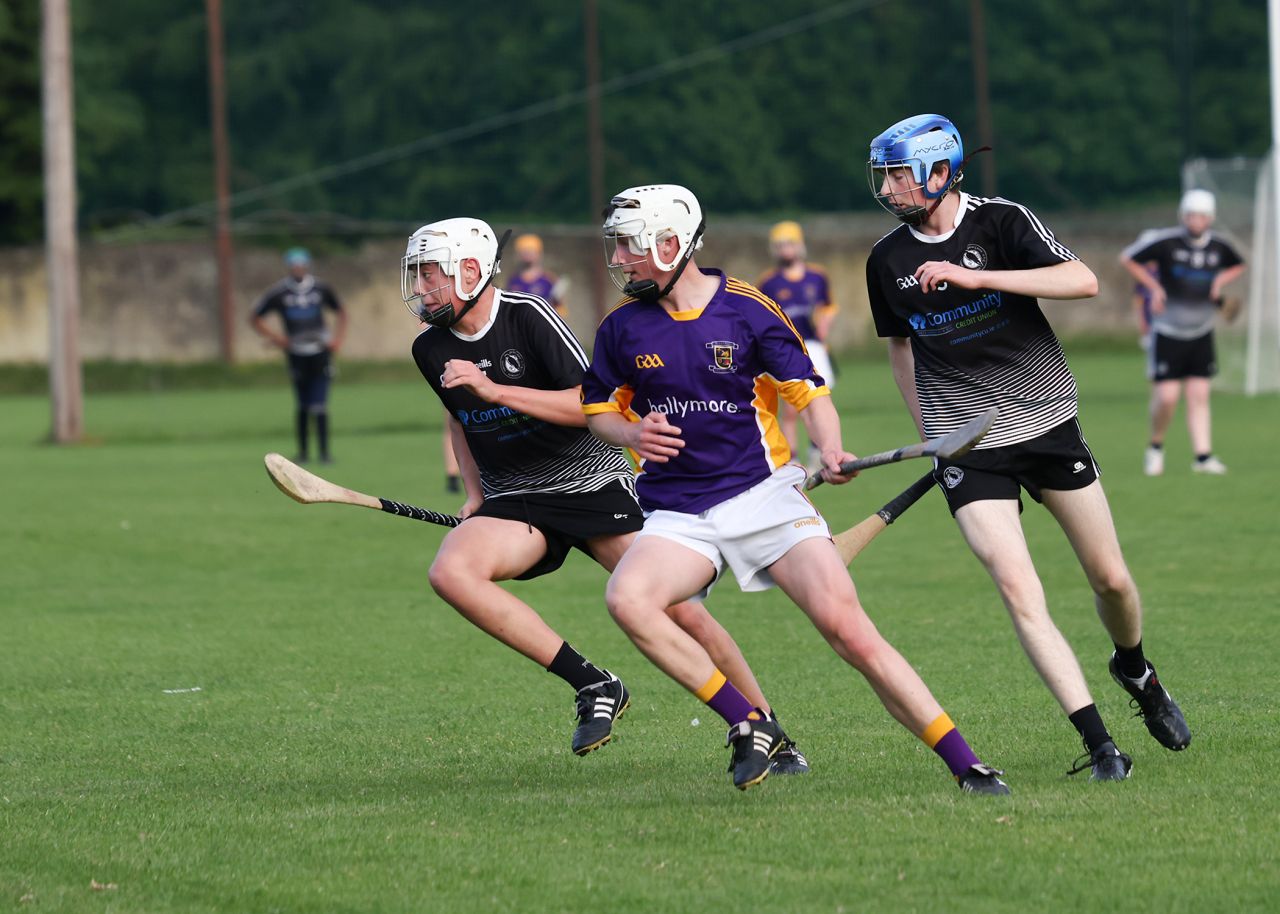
[
  {"x": 954, "y": 290},
  {"x": 531, "y": 277},
  {"x": 1184, "y": 271},
  {"x": 508, "y": 370},
  {"x": 803, "y": 292},
  {"x": 301, "y": 301},
  {"x": 688, "y": 371}
]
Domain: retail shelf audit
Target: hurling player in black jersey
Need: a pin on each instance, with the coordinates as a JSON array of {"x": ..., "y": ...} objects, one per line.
[
  {"x": 1183, "y": 271},
  {"x": 509, "y": 371},
  {"x": 301, "y": 301},
  {"x": 955, "y": 289}
]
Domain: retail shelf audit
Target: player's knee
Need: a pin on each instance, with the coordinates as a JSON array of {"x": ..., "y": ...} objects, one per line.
[
  {"x": 448, "y": 577},
  {"x": 855, "y": 639},
  {"x": 1113, "y": 582},
  {"x": 629, "y": 605}
]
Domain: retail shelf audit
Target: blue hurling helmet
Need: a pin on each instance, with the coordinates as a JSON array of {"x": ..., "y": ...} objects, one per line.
[{"x": 918, "y": 143}]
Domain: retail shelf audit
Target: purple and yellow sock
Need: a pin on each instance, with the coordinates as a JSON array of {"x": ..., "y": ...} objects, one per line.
[
  {"x": 718, "y": 694},
  {"x": 943, "y": 738}
]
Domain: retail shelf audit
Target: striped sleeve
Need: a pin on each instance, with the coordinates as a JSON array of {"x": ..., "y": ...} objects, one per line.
[
  {"x": 783, "y": 355},
  {"x": 1030, "y": 242},
  {"x": 557, "y": 347}
]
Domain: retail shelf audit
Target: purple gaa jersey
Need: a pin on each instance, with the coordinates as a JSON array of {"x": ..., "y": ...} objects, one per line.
[
  {"x": 546, "y": 286},
  {"x": 799, "y": 299},
  {"x": 717, "y": 374}
]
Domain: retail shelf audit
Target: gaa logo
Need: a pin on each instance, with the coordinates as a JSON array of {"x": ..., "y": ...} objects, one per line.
[
  {"x": 650, "y": 360},
  {"x": 973, "y": 258},
  {"x": 952, "y": 477}
]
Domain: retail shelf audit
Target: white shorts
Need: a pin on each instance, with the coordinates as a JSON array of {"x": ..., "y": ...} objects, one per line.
[
  {"x": 821, "y": 361},
  {"x": 748, "y": 532}
]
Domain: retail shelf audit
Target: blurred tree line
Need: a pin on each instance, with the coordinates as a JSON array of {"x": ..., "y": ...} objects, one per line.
[{"x": 1094, "y": 103}]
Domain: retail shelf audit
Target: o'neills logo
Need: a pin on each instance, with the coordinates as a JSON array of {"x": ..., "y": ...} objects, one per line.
[
  {"x": 807, "y": 522},
  {"x": 674, "y": 406}
]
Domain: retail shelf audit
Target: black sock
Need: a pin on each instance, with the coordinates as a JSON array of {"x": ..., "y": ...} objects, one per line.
[
  {"x": 1089, "y": 722},
  {"x": 300, "y": 426},
  {"x": 575, "y": 669},
  {"x": 322, "y": 434},
  {"x": 1131, "y": 661},
  {"x": 1156, "y": 445},
  {"x": 1201, "y": 458}
]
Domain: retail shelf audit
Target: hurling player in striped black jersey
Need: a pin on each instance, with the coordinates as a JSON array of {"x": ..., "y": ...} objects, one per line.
[
  {"x": 687, "y": 373},
  {"x": 954, "y": 289},
  {"x": 1183, "y": 272},
  {"x": 508, "y": 369}
]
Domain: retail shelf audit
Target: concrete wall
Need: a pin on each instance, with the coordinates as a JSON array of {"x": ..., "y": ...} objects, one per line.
[{"x": 156, "y": 302}]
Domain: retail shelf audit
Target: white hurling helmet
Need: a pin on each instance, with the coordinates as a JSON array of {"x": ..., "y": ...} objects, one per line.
[
  {"x": 447, "y": 244},
  {"x": 637, "y": 219}
]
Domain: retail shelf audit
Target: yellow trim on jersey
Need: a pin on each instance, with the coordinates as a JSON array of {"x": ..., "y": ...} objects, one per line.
[
  {"x": 619, "y": 402},
  {"x": 749, "y": 291},
  {"x": 801, "y": 393},
  {"x": 765, "y": 403},
  {"x": 690, "y": 315}
]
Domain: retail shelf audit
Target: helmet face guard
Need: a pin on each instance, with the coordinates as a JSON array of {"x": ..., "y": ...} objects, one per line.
[
  {"x": 915, "y": 146},
  {"x": 431, "y": 270},
  {"x": 629, "y": 237}
]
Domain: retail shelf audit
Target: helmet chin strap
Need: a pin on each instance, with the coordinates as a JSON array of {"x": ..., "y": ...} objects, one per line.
[
  {"x": 446, "y": 317},
  {"x": 916, "y": 216},
  {"x": 647, "y": 289}
]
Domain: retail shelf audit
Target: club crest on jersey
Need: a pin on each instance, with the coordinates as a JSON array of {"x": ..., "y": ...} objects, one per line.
[
  {"x": 512, "y": 364},
  {"x": 952, "y": 476},
  {"x": 722, "y": 356},
  {"x": 650, "y": 360},
  {"x": 974, "y": 258}
]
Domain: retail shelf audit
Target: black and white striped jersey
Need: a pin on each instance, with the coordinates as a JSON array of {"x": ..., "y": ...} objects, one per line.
[
  {"x": 524, "y": 344},
  {"x": 976, "y": 348}
]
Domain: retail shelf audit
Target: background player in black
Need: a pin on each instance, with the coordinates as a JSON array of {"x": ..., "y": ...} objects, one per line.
[
  {"x": 301, "y": 301},
  {"x": 954, "y": 289},
  {"x": 509, "y": 372},
  {"x": 1183, "y": 271}
]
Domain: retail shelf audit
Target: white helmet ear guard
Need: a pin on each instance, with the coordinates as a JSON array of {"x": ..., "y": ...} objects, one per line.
[
  {"x": 446, "y": 244},
  {"x": 640, "y": 217}
]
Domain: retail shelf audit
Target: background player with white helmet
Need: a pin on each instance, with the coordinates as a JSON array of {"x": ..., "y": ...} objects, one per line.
[
  {"x": 508, "y": 370},
  {"x": 1184, "y": 270},
  {"x": 803, "y": 292},
  {"x": 688, "y": 371},
  {"x": 954, "y": 290}
]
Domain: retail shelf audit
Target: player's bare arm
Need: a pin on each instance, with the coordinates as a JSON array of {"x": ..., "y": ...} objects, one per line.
[
  {"x": 1144, "y": 277},
  {"x": 653, "y": 438},
  {"x": 902, "y": 362},
  {"x": 1068, "y": 280},
  {"x": 823, "y": 425},
  {"x": 467, "y": 469},
  {"x": 279, "y": 340},
  {"x": 1223, "y": 279},
  {"x": 339, "y": 332},
  {"x": 561, "y": 407}
]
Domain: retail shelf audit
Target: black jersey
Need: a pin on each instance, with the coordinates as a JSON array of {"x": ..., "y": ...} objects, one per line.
[
  {"x": 1186, "y": 268},
  {"x": 301, "y": 304},
  {"x": 525, "y": 344},
  {"x": 976, "y": 348}
]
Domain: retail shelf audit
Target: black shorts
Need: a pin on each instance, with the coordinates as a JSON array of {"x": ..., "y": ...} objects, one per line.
[
  {"x": 1057, "y": 460},
  {"x": 1172, "y": 359},
  {"x": 568, "y": 520}
]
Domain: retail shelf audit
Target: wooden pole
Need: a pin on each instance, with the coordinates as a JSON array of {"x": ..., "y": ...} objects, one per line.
[
  {"x": 66, "y": 390},
  {"x": 595, "y": 149},
  {"x": 982, "y": 95},
  {"x": 221, "y": 180}
]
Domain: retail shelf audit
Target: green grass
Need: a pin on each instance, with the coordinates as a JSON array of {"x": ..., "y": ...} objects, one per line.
[{"x": 355, "y": 746}]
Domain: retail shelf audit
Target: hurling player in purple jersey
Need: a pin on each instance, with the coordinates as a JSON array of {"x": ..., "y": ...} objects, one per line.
[
  {"x": 1183, "y": 271},
  {"x": 687, "y": 373},
  {"x": 803, "y": 292},
  {"x": 954, "y": 290},
  {"x": 532, "y": 278},
  {"x": 507, "y": 369}
]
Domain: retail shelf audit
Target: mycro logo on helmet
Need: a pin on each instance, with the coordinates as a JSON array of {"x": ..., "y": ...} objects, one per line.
[
  {"x": 948, "y": 143},
  {"x": 650, "y": 360}
]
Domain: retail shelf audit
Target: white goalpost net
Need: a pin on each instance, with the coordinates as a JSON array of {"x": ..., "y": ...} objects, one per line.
[{"x": 1248, "y": 206}]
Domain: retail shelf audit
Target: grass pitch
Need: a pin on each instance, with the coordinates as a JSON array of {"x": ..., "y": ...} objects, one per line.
[{"x": 214, "y": 699}]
